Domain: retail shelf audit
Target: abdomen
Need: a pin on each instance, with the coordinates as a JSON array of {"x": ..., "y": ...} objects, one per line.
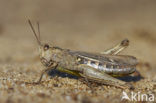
[{"x": 112, "y": 69}]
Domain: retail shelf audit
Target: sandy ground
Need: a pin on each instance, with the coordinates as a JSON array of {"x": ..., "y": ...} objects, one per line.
[{"x": 77, "y": 25}]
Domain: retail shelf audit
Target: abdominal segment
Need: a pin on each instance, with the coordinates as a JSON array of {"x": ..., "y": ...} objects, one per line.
[{"x": 111, "y": 68}]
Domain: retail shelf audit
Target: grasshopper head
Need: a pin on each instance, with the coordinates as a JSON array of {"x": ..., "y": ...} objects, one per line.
[{"x": 45, "y": 50}]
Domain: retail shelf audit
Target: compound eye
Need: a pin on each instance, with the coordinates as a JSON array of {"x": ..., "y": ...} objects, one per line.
[{"x": 46, "y": 47}]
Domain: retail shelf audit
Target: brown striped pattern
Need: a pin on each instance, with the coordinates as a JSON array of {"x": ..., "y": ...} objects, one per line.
[{"x": 107, "y": 67}]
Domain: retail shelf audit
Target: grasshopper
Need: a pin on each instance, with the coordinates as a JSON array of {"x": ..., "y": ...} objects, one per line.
[{"x": 99, "y": 67}]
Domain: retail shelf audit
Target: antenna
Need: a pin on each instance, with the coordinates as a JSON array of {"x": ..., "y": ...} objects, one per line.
[
  {"x": 38, "y": 27},
  {"x": 37, "y": 38}
]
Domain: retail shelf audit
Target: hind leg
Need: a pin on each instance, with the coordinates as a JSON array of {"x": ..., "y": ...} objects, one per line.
[
  {"x": 93, "y": 74},
  {"x": 118, "y": 48}
]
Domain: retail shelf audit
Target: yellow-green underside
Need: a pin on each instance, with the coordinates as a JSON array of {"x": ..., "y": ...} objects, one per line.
[{"x": 76, "y": 73}]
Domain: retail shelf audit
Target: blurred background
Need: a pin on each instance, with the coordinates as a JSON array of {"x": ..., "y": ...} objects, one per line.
[
  {"x": 84, "y": 25},
  {"x": 79, "y": 25}
]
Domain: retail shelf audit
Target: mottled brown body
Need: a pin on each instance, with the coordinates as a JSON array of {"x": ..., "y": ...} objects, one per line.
[
  {"x": 110, "y": 64},
  {"x": 98, "y": 67}
]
